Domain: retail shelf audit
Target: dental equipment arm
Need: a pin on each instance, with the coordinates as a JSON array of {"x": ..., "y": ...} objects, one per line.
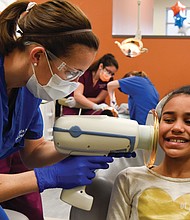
[
  {"x": 102, "y": 135},
  {"x": 133, "y": 47}
]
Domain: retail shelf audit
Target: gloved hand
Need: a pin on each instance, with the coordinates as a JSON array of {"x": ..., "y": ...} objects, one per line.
[
  {"x": 71, "y": 102},
  {"x": 102, "y": 106},
  {"x": 71, "y": 172},
  {"x": 126, "y": 155},
  {"x": 123, "y": 109},
  {"x": 113, "y": 104}
]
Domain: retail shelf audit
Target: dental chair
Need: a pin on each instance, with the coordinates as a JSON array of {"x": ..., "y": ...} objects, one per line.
[
  {"x": 102, "y": 185},
  {"x": 100, "y": 189}
]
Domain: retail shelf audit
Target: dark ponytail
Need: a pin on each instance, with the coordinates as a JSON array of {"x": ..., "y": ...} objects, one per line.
[
  {"x": 46, "y": 24},
  {"x": 8, "y": 22},
  {"x": 107, "y": 60}
]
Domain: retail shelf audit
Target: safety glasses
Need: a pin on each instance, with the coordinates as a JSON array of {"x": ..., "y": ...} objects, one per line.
[
  {"x": 109, "y": 72},
  {"x": 68, "y": 72}
]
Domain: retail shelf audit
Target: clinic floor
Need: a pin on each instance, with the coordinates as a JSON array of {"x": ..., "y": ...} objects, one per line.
[{"x": 54, "y": 208}]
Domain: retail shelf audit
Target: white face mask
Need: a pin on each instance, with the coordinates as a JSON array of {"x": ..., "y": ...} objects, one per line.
[{"x": 56, "y": 88}]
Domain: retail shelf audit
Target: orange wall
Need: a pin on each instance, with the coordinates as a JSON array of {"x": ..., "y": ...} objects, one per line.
[{"x": 167, "y": 62}]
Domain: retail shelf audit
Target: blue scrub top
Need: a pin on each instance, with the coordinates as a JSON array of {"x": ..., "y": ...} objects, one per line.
[
  {"x": 142, "y": 96},
  {"x": 27, "y": 122}
]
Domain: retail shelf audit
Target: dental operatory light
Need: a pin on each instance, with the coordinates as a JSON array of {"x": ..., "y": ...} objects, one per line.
[{"x": 133, "y": 47}]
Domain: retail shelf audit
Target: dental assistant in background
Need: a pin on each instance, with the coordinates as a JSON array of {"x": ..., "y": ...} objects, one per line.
[
  {"x": 43, "y": 52},
  {"x": 142, "y": 94},
  {"x": 92, "y": 91},
  {"x": 163, "y": 191}
]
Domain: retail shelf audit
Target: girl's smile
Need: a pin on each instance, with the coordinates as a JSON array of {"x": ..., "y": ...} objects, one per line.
[{"x": 175, "y": 126}]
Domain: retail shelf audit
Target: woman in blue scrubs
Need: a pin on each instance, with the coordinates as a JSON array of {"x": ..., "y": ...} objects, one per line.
[
  {"x": 142, "y": 94},
  {"x": 44, "y": 49}
]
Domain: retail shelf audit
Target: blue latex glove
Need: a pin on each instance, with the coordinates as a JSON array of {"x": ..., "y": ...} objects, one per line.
[
  {"x": 3, "y": 215},
  {"x": 126, "y": 155},
  {"x": 71, "y": 172}
]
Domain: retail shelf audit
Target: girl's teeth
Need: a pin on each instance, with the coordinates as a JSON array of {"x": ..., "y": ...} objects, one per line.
[{"x": 178, "y": 141}]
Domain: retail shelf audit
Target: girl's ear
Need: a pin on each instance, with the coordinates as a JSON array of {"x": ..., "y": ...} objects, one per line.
[{"x": 36, "y": 53}]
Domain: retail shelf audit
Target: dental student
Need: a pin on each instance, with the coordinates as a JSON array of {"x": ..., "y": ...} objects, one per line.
[{"x": 42, "y": 55}]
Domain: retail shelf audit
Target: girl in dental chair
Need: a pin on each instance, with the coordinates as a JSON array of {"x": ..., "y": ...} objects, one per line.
[{"x": 163, "y": 191}]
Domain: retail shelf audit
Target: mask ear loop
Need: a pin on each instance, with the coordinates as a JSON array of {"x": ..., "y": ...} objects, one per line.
[
  {"x": 49, "y": 64},
  {"x": 35, "y": 64},
  {"x": 33, "y": 70}
]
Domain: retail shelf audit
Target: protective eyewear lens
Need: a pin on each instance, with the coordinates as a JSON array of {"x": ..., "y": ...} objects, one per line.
[
  {"x": 68, "y": 72},
  {"x": 109, "y": 72}
]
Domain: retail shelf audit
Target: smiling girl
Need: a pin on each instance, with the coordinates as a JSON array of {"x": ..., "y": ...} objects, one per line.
[{"x": 163, "y": 191}]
